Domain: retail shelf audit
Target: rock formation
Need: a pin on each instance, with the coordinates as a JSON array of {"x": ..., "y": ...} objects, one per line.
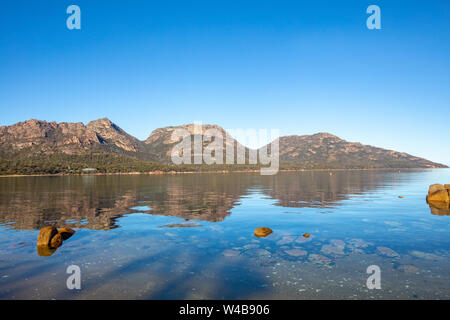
[{"x": 438, "y": 199}]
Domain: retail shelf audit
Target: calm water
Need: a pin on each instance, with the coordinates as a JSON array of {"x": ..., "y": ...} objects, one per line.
[{"x": 191, "y": 236}]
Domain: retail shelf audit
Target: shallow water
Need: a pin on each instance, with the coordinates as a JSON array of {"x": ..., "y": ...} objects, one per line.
[{"x": 191, "y": 236}]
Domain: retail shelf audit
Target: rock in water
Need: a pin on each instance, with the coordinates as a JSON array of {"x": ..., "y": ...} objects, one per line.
[
  {"x": 230, "y": 253},
  {"x": 332, "y": 250},
  {"x": 338, "y": 243},
  {"x": 437, "y": 192},
  {"x": 435, "y": 187},
  {"x": 45, "y": 235},
  {"x": 387, "y": 252},
  {"x": 45, "y": 250},
  {"x": 296, "y": 252},
  {"x": 56, "y": 241},
  {"x": 425, "y": 255},
  {"x": 319, "y": 259},
  {"x": 408, "y": 269},
  {"x": 439, "y": 208},
  {"x": 262, "y": 232},
  {"x": 66, "y": 232}
]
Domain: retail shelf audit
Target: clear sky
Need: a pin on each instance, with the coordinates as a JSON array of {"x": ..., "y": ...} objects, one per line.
[{"x": 299, "y": 66}]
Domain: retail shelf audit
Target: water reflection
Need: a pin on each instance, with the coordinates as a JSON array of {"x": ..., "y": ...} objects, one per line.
[
  {"x": 439, "y": 208},
  {"x": 96, "y": 202}
]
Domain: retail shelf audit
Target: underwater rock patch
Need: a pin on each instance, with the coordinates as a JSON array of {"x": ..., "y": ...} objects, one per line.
[
  {"x": 286, "y": 240},
  {"x": 425, "y": 255},
  {"x": 359, "y": 243},
  {"x": 319, "y": 259},
  {"x": 258, "y": 252},
  {"x": 230, "y": 253},
  {"x": 296, "y": 252},
  {"x": 408, "y": 269},
  {"x": 338, "y": 243},
  {"x": 304, "y": 239},
  {"x": 387, "y": 252},
  {"x": 332, "y": 250}
]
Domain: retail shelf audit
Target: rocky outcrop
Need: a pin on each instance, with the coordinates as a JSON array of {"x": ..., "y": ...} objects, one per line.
[
  {"x": 36, "y": 137},
  {"x": 160, "y": 144},
  {"x": 112, "y": 134},
  {"x": 45, "y": 235},
  {"x": 330, "y": 151},
  {"x": 438, "y": 199},
  {"x": 262, "y": 232},
  {"x": 50, "y": 238},
  {"x": 438, "y": 192}
]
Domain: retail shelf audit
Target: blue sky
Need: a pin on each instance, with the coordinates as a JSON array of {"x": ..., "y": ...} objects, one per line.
[{"x": 299, "y": 66}]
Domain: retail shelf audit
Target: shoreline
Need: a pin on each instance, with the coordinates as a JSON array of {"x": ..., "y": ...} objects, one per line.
[{"x": 202, "y": 172}]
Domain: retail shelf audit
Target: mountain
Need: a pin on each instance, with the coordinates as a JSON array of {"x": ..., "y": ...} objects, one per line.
[
  {"x": 160, "y": 143},
  {"x": 328, "y": 150},
  {"x": 36, "y": 136},
  {"x": 36, "y": 146}
]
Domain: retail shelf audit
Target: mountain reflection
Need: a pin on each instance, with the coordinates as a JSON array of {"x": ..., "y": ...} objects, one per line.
[{"x": 95, "y": 202}]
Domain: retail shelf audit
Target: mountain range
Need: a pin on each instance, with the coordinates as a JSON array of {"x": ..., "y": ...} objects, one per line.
[{"x": 37, "y": 146}]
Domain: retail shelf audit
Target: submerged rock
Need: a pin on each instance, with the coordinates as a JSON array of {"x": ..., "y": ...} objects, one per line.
[
  {"x": 257, "y": 252},
  {"x": 332, "y": 250},
  {"x": 286, "y": 240},
  {"x": 387, "y": 252},
  {"x": 319, "y": 259},
  {"x": 45, "y": 235},
  {"x": 425, "y": 255},
  {"x": 296, "y": 252},
  {"x": 359, "y": 243},
  {"x": 408, "y": 269},
  {"x": 230, "y": 253},
  {"x": 304, "y": 239},
  {"x": 251, "y": 246},
  {"x": 261, "y": 252},
  {"x": 338, "y": 243},
  {"x": 262, "y": 232}
]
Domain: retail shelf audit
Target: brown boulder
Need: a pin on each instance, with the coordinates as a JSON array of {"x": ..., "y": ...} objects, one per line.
[
  {"x": 435, "y": 188},
  {"x": 45, "y": 235},
  {"x": 45, "y": 250},
  {"x": 262, "y": 232},
  {"x": 437, "y": 192},
  {"x": 56, "y": 241},
  {"x": 66, "y": 232}
]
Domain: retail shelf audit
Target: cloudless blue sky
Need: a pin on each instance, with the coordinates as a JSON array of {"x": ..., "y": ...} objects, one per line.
[{"x": 299, "y": 66}]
